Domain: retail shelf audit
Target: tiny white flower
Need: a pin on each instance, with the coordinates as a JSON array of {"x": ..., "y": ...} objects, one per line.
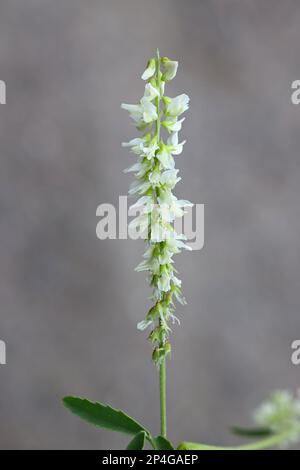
[
  {"x": 149, "y": 265},
  {"x": 148, "y": 111},
  {"x": 172, "y": 124},
  {"x": 136, "y": 145},
  {"x": 166, "y": 213},
  {"x": 176, "y": 210},
  {"x": 176, "y": 106},
  {"x": 145, "y": 146},
  {"x": 162, "y": 88},
  {"x": 165, "y": 278},
  {"x": 159, "y": 231},
  {"x": 139, "y": 187},
  {"x": 172, "y": 143},
  {"x": 164, "y": 283},
  {"x": 174, "y": 207},
  {"x": 131, "y": 108},
  {"x": 184, "y": 203},
  {"x": 143, "y": 325},
  {"x": 143, "y": 113},
  {"x": 149, "y": 151},
  {"x": 165, "y": 157},
  {"x": 145, "y": 167},
  {"x": 154, "y": 176},
  {"x": 150, "y": 70},
  {"x": 170, "y": 178},
  {"x": 135, "y": 112},
  {"x": 133, "y": 168},
  {"x": 150, "y": 92},
  {"x": 169, "y": 68},
  {"x": 182, "y": 245},
  {"x": 142, "y": 202}
]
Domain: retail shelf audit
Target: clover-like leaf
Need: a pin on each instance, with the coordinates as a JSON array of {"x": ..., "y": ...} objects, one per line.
[{"x": 103, "y": 416}]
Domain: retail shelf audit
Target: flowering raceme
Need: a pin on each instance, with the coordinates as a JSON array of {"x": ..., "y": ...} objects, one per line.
[{"x": 155, "y": 179}]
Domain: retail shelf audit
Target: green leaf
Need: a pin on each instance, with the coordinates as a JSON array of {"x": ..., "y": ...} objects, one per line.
[
  {"x": 137, "y": 442},
  {"x": 161, "y": 443},
  {"x": 103, "y": 416},
  {"x": 252, "y": 432}
]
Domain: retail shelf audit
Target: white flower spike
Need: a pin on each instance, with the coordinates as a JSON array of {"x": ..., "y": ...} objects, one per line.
[{"x": 155, "y": 178}]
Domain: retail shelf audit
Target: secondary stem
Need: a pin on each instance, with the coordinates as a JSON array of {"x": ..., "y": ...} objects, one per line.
[{"x": 266, "y": 443}]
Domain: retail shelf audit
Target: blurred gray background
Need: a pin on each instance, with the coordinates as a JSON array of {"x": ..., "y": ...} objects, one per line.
[{"x": 70, "y": 302}]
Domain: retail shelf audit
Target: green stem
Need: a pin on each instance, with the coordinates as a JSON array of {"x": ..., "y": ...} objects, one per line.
[
  {"x": 266, "y": 443},
  {"x": 158, "y": 82},
  {"x": 163, "y": 398},
  {"x": 162, "y": 367}
]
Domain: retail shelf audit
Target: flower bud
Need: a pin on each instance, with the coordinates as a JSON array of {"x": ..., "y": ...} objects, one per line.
[{"x": 155, "y": 336}]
